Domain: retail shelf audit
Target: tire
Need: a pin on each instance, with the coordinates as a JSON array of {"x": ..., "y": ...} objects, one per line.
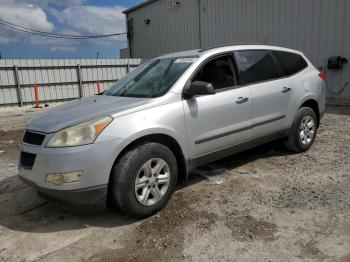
[
  {"x": 295, "y": 142},
  {"x": 140, "y": 165}
]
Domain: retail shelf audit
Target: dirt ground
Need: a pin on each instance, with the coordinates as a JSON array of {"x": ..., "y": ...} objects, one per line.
[{"x": 265, "y": 204}]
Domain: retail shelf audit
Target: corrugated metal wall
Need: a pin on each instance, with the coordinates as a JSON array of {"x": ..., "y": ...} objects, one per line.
[
  {"x": 169, "y": 29},
  {"x": 319, "y": 28},
  {"x": 58, "y": 80}
]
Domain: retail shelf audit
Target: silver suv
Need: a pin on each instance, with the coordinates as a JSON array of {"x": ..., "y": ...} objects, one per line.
[{"x": 172, "y": 114}]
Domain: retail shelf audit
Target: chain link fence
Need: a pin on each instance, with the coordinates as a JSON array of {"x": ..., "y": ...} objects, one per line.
[{"x": 58, "y": 80}]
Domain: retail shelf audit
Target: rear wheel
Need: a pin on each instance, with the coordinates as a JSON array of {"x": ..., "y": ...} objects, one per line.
[
  {"x": 303, "y": 132},
  {"x": 144, "y": 179}
]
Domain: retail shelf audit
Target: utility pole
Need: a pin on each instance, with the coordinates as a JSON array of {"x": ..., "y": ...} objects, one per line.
[{"x": 97, "y": 55}]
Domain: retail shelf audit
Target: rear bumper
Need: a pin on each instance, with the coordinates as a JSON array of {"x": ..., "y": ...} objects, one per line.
[{"x": 86, "y": 200}]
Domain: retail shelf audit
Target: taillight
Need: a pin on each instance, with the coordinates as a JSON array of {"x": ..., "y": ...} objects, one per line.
[{"x": 322, "y": 76}]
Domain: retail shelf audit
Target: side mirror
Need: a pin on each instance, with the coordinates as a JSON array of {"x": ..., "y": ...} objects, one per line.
[{"x": 198, "y": 88}]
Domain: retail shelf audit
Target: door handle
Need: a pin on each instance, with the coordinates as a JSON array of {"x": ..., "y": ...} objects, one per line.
[
  {"x": 286, "y": 89},
  {"x": 242, "y": 100}
]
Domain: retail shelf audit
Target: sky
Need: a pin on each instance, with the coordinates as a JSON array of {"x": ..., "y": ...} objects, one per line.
[{"x": 77, "y": 17}]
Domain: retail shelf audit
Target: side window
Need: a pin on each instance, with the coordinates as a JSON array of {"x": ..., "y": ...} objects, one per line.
[
  {"x": 290, "y": 62},
  {"x": 219, "y": 72},
  {"x": 257, "y": 66}
]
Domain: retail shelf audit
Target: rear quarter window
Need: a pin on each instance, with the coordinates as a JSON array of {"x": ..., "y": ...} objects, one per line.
[{"x": 291, "y": 63}]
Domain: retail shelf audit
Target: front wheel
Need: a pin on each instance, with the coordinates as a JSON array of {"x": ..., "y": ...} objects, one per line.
[
  {"x": 303, "y": 131},
  {"x": 143, "y": 180}
]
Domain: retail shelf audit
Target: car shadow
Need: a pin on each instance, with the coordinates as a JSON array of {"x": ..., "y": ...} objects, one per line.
[
  {"x": 23, "y": 210},
  {"x": 275, "y": 148},
  {"x": 338, "y": 109}
]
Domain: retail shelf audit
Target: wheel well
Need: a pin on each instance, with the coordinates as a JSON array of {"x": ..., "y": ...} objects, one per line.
[
  {"x": 314, "y": 105},
  {"x": 165, "y": 140}
]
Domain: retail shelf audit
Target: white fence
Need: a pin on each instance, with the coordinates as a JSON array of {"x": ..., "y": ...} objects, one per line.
[{"x": 58, "y": 80}]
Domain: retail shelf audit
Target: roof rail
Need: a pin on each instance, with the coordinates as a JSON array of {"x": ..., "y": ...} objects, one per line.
[{"x": 234, "y": 44}]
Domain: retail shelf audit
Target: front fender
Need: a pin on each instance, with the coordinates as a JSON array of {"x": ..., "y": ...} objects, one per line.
[
  {"x": 166, "y": 120},
  {"x": 160, "y": 131}
]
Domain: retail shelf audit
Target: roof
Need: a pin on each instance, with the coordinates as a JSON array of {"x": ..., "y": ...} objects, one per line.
[{"x": 147, "y": 2}]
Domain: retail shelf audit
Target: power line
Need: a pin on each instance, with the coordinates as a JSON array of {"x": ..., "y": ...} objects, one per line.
[{"x": 53, "y": 35}]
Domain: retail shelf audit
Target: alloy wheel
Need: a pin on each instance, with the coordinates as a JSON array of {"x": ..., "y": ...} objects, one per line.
[
  {"x": 306, "y": 130},
  {"x": 152, "y": 181}
]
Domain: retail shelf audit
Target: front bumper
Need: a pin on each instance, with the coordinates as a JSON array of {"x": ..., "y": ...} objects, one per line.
[
  {"x": 81, "y": 200},
  {"x": 94, "y": 161}
]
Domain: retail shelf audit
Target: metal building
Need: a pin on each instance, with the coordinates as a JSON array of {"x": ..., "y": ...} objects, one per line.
[{"x": 319, "y": 28}]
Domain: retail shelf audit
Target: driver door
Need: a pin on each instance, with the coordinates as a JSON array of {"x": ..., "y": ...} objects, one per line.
[{"x": 215, "y": 122}]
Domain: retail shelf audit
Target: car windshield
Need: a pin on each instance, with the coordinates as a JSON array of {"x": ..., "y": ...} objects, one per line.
[{"x": 151, "y": 79}]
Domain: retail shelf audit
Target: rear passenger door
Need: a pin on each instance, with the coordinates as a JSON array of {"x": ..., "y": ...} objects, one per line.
[{"x": 269, "y": 89}]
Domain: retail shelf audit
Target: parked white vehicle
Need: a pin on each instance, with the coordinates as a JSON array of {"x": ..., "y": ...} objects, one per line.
[{"x": 171, "y": 114}]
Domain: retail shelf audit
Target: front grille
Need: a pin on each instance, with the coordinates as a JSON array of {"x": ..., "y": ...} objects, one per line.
[
  {"x": 33, "y": 138},
  {"x": 27, "y": 160}
]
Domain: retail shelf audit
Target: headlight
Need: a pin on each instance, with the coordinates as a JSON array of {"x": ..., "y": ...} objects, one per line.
[{"x": 81, "y": 134}]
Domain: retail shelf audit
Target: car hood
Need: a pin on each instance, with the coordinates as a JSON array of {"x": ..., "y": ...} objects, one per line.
[{"x": 82, "y": 110}]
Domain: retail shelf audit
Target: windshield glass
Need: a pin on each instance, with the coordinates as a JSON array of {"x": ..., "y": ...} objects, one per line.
[{"x": 151, "y": 79}]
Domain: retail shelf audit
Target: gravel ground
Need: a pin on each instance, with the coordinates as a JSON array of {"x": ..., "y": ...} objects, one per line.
[{"x": 261, "y": 205}]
